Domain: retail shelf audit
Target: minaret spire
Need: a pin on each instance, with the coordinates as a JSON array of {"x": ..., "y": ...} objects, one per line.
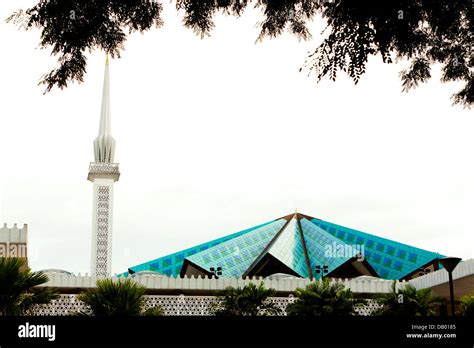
[{"x": 104, "y": 144}]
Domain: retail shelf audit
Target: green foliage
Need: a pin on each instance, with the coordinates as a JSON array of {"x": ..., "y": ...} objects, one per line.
[
  {"x": 409, "y": 302},
  {"x": 73, "y": 27},
  {"x": 117, "y": 299},
  {"x": 467, "y": 305},
  {"x": 424, "y": 32},
  {"x": 247, "y": 301},
  {"x": 322, "y": 298},
  {"x": 17, "y": 287}
]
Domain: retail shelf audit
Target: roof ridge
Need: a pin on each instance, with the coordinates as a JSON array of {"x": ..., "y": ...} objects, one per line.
[
  {"x": 305, "y": 249},
  {"x": 266, "y": 249}
]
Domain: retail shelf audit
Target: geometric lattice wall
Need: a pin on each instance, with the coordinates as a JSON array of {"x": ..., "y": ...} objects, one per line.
[{"x": 171, "y": 304}]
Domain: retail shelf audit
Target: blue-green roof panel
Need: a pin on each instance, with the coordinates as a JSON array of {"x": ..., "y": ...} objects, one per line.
[
  {"x": 170, "y": 265},
  {"x": 236, "y": 255},
  {"x": 390, "y": 259},
  {"x": 320, "y": 247}
]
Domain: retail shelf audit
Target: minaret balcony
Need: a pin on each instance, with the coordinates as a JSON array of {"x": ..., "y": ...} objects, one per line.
[{"x": 103, "y": 170}]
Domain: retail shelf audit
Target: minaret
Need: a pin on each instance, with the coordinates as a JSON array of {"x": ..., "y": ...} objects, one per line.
[{"x": 103, "y": 172}]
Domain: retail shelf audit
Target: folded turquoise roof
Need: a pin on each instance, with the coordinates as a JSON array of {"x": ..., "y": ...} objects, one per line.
[{"x": 296, "y": 244}]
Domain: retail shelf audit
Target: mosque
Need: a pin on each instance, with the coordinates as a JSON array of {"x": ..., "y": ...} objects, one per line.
[
  {"x": 297, "y": 245},
  {"x": 293, "y": 246}
]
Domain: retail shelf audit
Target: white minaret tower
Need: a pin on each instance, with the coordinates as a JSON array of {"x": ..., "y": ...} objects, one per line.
[{"x": 103, "y": 172}]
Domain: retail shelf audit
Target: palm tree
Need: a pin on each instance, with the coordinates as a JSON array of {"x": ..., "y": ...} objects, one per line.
[
  {"x": 408, "y": 302},
  {"x": 467, "y": 305},
  {"x": 323, "y": 298},
  {"x": 117, "y": 298},
  {"x": 18, "y": 292},
  {"x": 247, "y": 301}
]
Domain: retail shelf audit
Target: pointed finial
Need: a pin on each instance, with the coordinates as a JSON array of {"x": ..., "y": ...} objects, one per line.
[
  {"x": 104, "y": 144},
  {"x": 296, "y": 210}
]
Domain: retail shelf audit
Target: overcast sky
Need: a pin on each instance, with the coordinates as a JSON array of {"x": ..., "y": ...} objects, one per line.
[{"x": 221, "y": 134}]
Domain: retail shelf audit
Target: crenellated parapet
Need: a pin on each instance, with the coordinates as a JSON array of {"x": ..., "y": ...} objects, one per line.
[
  {"x": 202, "y": 285},
  {"x": 14, "y": 234}
]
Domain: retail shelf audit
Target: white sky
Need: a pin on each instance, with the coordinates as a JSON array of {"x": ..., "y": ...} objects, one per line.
[{"x": 221, "y": 134}]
